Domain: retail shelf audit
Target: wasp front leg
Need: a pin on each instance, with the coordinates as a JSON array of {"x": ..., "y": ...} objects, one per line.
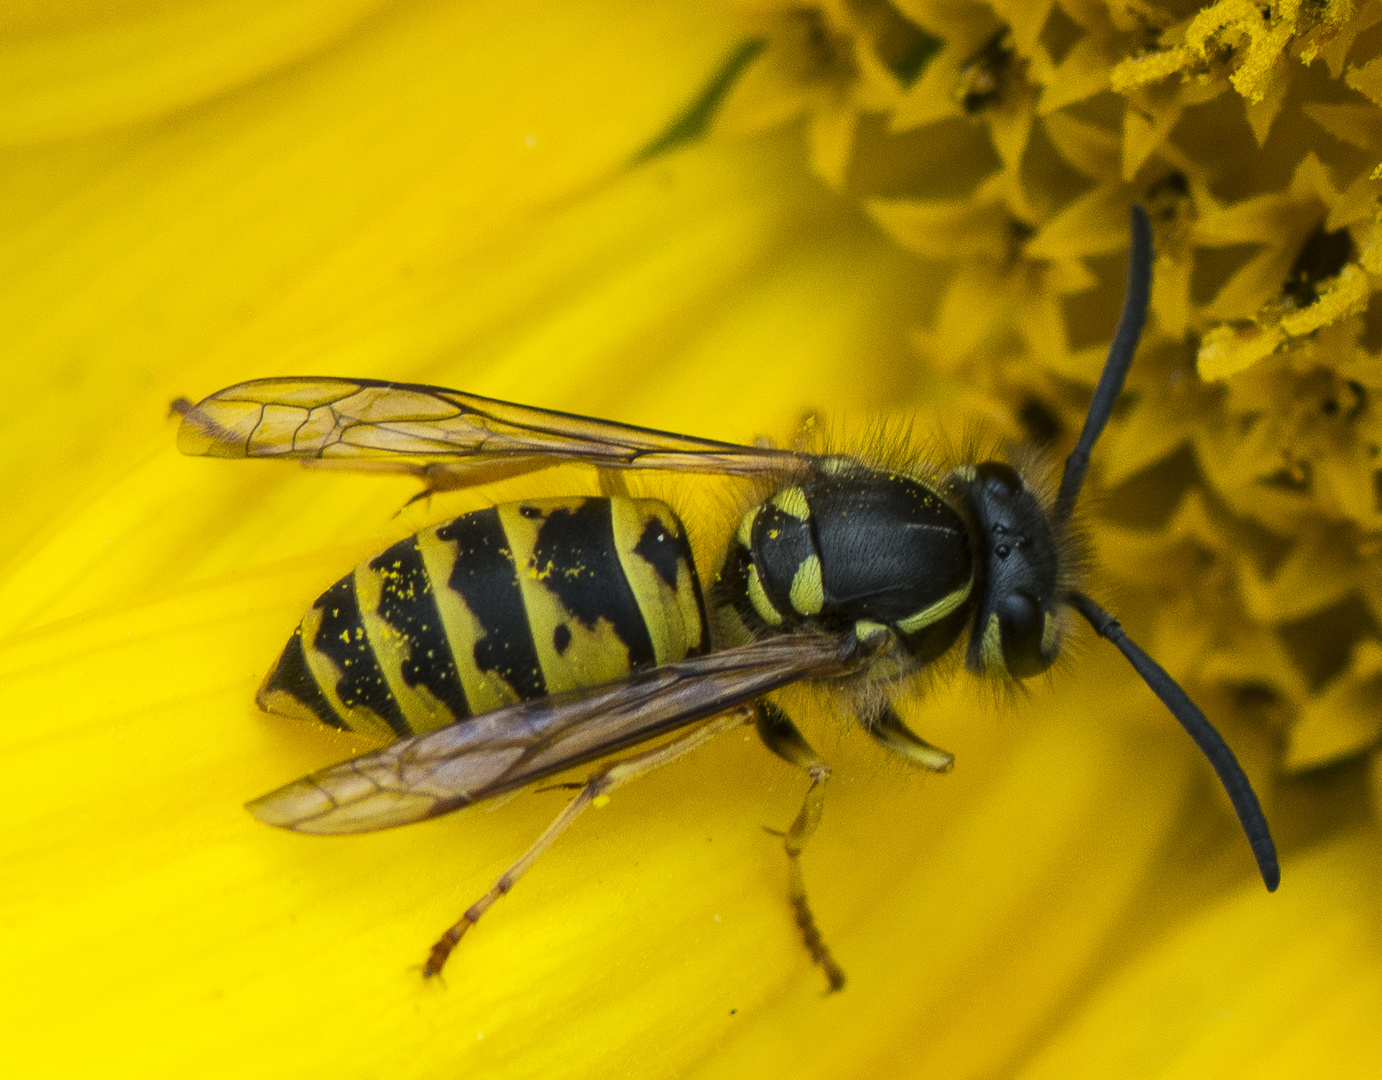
[
  {"x": 889, "y": 730},
  {"x": 781, "y": 736}
]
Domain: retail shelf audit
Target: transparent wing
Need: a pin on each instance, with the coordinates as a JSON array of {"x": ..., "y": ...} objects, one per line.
[
  {"x": 450, "y": 437},
  {"x": 503, "y": 750}
]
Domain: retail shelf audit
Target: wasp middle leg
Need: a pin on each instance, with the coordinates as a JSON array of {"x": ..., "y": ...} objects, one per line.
[{"x": 781, "y": 736}]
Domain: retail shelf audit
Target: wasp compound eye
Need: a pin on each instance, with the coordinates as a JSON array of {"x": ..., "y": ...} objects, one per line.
[
  {"x": 1000, "y": 478},
  {"x": 1022, "y": 630}
]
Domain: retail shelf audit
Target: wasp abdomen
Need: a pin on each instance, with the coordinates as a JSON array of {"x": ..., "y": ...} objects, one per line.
[
  {"x": 496, "y": 606},
  {"x": 867, "y": 547}
]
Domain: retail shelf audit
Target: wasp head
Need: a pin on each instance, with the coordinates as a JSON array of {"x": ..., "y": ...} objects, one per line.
[{"x": 1017, "y": 631}]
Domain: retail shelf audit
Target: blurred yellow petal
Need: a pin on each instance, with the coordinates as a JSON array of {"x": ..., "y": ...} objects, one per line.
[
  {"x": 1091, "y": 149},
  {"x": 1149, "y": 119},
  {"x": 1083, "y": 72},
  {"x": 1344, "y": 719},
  {"x": 1154, "y": 429},
  {"x": 1090, "y": 225},
  {"x": 833, "y": 61},
  {"x": 1367, "y": 79},
  {"x": 964, "y": 29},
  {"x": 1246, "y": 990},
  {"x": 66, "y": 71},
  {"x": 936, "y": 229},
  {"x": 1282, "y": 221},
  {"x": 253, "y": 228},
  {"x": 1356, "y": 124}
]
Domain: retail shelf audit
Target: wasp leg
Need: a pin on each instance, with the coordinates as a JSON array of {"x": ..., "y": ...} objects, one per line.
[
  {"x": 781, "y": 736},
  {"x": 614, "y": 483},
  {"x": 601, "y": 783},
  {"x": 887, "y": 727}
]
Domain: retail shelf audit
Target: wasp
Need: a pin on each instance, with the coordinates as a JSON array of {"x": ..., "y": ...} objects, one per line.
[{"x": 517, "y": 642}]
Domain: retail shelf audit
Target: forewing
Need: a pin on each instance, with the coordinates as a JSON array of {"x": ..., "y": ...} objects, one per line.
[
  {"x": 508, "y": 748},
  {"x": 450, "y": 437}
]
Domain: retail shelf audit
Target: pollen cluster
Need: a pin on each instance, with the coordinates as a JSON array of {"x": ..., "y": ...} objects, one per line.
[{"x": 1241, "y": 480}]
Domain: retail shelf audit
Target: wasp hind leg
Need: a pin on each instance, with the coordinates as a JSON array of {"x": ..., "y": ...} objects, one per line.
[
  {"x": 781, "y": 736},
  {"x": 600, "y": 784},
  {"x": 614, "y": 483}
]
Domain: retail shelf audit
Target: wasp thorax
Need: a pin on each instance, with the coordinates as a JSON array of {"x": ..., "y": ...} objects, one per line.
[
  {"x": 858, "y": 551},
  {"x": 1017, "y": 631}
]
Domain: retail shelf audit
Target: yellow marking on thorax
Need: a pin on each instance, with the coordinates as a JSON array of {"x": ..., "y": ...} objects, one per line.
[
  {"x": 759, "y": 599},
  {"x": 792, "y": 501},
  {"x": 870, "y": 633},
  {"x": 744, "y": 534},
  {"x": 836, "y": 465},
  {"x": 934, "y": 613},
  {"x": 808, "y": 590},
  {"x": 885, "y": 660}
]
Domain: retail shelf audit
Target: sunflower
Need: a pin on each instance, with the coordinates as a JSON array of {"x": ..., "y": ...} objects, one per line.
[{"x": 717, "y": 220}]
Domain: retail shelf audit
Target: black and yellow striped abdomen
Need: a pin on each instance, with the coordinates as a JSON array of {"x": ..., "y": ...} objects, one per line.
[{"x": 500, "y": 605}]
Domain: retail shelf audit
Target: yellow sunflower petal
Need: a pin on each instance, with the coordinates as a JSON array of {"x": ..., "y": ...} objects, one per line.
[
  {"x": 1343, "y": 720},
  {"x": 69, "y": 71},
  {"x": 1245, "y": 988}
]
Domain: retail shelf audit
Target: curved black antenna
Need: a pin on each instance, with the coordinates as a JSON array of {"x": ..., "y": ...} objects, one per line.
[
  {"x": 1210, "y": 742},
  {"x": 1120, "y": 353}
]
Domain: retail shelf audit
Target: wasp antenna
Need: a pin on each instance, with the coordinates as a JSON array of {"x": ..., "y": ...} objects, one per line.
[
  {"x": 1120, "y": 354},
  {"x": 1197, "y": 725}
]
